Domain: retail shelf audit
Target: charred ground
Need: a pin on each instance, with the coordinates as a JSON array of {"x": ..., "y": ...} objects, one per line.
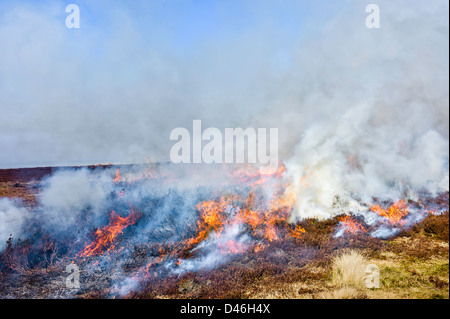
[{"x": 413, "y": 264}]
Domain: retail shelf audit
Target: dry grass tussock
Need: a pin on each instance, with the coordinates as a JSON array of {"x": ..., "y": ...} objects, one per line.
[{"x": 349, "y": 269}]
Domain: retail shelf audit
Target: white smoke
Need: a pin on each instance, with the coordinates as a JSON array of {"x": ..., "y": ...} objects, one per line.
[
  {"x": 68, "y": 194},
  {"x": 341, "y": 163},
  {"x": 216, "y": 249},
  {"x": 375, "y": 112},
  {"x": 12, "y": 219}
]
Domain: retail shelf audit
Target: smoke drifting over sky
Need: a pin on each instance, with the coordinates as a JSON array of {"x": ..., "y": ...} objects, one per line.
[{"x": 366, "y": 110}]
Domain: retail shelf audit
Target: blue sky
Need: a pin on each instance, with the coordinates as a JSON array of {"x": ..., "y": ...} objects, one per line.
[{"x": 185, "y": 26}]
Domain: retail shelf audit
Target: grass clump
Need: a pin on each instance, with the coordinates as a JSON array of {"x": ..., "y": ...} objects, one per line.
[{"x": 349, "y": 270}]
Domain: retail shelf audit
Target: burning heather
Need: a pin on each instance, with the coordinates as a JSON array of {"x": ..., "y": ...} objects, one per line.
[
  {"x": 104, "y": 237},
  {"x": 139, "y": 225}
]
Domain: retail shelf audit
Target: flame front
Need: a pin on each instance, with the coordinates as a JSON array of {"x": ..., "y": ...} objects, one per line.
[
  {"x": 266, "y": 221},
  {"x": 251, "y": 216},
  {"x": 211, "y": 219},
  {"x": 350, "y": 225},
  {"x": 394, "y": 213},
  {"x": 104, "y": 237}
]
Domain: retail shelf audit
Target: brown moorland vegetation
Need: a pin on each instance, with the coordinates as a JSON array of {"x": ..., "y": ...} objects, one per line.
[{"x": 413, "y": 264}]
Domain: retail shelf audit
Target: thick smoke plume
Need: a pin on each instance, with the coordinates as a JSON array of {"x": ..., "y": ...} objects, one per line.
[
  {"x": 372, "y": 120},
  {"x": 114, "y": 94}
]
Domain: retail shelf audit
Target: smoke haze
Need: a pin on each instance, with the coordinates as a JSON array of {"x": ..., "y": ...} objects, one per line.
[{"x": 361, "y": 112}]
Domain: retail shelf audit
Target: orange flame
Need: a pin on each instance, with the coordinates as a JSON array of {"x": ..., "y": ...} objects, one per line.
[
  {"x": 284, "y": 201},
  {"x": 259, "y": 247},
  {"x": 255, "y": 176},
  {"x": 268, "y": 223},
  {"x": 297, "y": 232},
  {"x": 117, "y": 178},
  {"x": 232, "y": 247},
  {"x": 104, "y": 237},
  {"x": 351, "y": 225},
  {"x": 211, "y": 219},
  {"x": 394, "y": 213},
  {"x": 266, "y": 219}
]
